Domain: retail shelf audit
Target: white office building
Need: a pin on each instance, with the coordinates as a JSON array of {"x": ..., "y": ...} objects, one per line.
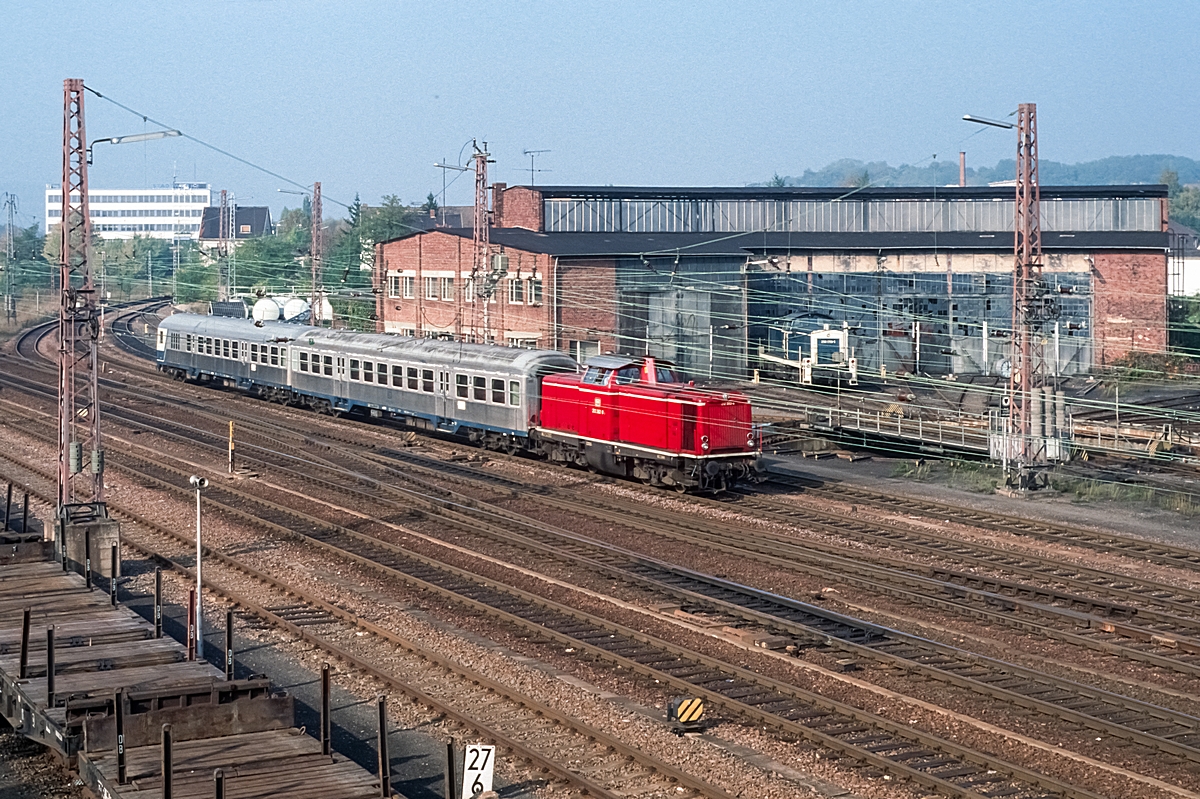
[{"x": 161, "y": 213}]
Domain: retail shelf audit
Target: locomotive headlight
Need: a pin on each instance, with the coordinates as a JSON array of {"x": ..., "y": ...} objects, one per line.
[{"x": 704, "y": 443}]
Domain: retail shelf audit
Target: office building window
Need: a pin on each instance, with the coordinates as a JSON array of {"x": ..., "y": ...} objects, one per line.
[
  {"x": 406, "y": 285},
  {"x": 516, "y": 291},
  {"x": 447, "y": 288},
  {"x": 394, "y": 286}
]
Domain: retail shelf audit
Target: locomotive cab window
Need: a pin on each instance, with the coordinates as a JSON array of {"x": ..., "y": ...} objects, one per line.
[
  {"x": 497, "y": 391},
  {"x": 514, "y": 393},
  {"x": 460, "y": 386},
  {"x": 479, "y": 385},
  {"x": 627, "y": 375},
  {"x": 665, "y": 375},
  {"x": 427, "y": 380},
  {"x": 595, "y": 375}
]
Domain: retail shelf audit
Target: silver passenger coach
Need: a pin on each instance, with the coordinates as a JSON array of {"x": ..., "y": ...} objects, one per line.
[{"x": 488, "y": 392}]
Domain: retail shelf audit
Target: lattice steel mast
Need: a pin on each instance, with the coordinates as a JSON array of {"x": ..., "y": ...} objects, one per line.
[
  {"x": 78, "y": 318},
  {"x": 223, "y": 247},
  {"x": 1030, "y": 307},
  {"x": 10, "y": 257},
  {"x": 318, "y": 248},
  {"x": 482, "y": 281}
]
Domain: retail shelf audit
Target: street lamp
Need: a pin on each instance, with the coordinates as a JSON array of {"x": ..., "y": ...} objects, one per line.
[
  {"x": 199, "y": 483},
  {"x": 131, "y": 139}
]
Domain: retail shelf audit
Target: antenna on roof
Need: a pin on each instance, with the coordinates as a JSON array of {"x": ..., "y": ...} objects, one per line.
[{"x": 532, "y": 155}]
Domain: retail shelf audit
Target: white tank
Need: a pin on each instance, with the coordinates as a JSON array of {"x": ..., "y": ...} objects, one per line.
[
  {"x": 293, "y": 308},
  {"x": 266, "y": 310}
]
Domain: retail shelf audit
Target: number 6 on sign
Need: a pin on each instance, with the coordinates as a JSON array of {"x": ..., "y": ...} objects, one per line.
[{"x": 478, "y": 765}]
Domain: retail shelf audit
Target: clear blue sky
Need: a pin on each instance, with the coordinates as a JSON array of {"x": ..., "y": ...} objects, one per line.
[{"x": 366, "y": 96}]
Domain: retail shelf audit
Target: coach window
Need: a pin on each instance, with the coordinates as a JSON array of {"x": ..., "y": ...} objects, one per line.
[
  {"x": 208, "y": 346},
  {"x": 497, "y": 391},
  {"x": 224, "y": 348},
  {"x": 328, "y": 365},
  {"x": 413, "y": 377},
  {"x": 398, "y": 376},
  {"x": 479, "y": 384},
  {"x": 514, "y": 393},
  {"x": 233, "y": 348},
  {"x": 353, "y": 369},
  {"x": 304, "y": 362},
  {"x": 368, "y": 372},
  {"x": 427, "y": 380},
  {"x": 460, "y": 386},
  {"x": 188, "y": 342},
  {"x": 274, "y": 356}
]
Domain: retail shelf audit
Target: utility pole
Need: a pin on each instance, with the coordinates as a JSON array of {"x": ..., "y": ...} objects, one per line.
[
  {"x": 10, "y": 252},
  {"x": 149, "y": 277},
  {"x": 318, "y": 246},
  {"x": 223, "y": 247},
  {"x": 78, "y": 317},
  {"x": 175, "y": 267},
  {"x": 1031, "y": 308},
  {"x": 483, "y": 278},
  {"x": 231, "y": 248}
]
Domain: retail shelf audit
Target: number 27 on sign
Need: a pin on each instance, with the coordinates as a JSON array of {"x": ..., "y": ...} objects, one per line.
[{"x": 478, "y": 765}]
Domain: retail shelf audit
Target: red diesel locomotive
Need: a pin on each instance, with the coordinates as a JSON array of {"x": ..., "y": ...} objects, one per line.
[{"x": 633, "y": 417}]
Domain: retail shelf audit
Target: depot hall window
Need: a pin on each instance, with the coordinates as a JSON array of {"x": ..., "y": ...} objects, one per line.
[
  {"x": 394, "y": 286},
  {"x": 431, "y": 288},
  {"x": 447, "y": 288},
  {"x": 516, "y": 291},
  {"x": 406, "y": 286}
]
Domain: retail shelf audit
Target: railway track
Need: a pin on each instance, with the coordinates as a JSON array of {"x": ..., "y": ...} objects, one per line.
[
  {"x": 995, "y": 679},
  {"x": 1100, "y": 541},
  {"x": 530, "y": 730},
  {"x": 895, "y": 748},
  {"x": 812, "y": 624}
]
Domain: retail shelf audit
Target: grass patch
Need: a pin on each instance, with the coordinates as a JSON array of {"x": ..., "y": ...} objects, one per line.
[{"x": 1084, "y": 490}]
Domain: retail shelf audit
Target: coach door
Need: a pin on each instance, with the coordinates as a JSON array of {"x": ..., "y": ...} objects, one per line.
[{"x": 443, "y": 402}]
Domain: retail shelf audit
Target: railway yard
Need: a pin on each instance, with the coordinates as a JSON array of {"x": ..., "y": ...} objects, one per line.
[{"x": 845, "y": 641}]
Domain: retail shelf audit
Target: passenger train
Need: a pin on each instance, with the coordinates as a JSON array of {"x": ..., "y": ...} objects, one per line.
[{"x": 627, "y": 416}]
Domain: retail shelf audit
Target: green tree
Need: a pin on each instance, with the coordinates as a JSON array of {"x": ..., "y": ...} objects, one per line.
[
  {"x": 1184, "y": 200},
  {"x": 776, "y": 182}
]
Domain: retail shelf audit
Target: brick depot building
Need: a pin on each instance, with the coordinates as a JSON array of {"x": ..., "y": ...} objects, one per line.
[{"x": 703, "y": 276}]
